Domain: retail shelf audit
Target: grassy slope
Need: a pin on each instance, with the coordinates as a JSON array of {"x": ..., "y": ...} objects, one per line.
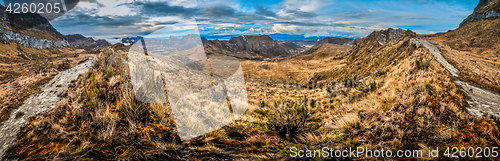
[
  {"x": 32, "y": 32},
  {"x": 20, "y": 77},
  {"x": 475, "y": 50},
  {"x": 414, "y": 105}
]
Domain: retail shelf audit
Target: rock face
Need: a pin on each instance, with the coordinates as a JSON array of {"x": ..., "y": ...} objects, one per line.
[
  {"x": 82, "y": 42},
  {"x": 253, "y": 47},
  {"x": 383, "y": 36},
  {"x": 26, "y": 21},
  {"x": 30, "y": 30},
  {"x": 335, "y": 40},
  {"x": 482, "y": 3},
  {"x": 486, "y": 9},
  {"x": 7, "y": 36}
]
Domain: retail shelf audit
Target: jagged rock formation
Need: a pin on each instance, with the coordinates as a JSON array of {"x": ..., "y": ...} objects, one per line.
[
  {"x": 486, "y": 9},
  {"x": 30, "y": 30},
  {"x": 335, "y": 40},
  {"x": 39, "y": 103},
  {"x": 82, "y": 42},
  {"x": 384, "y": 36}
]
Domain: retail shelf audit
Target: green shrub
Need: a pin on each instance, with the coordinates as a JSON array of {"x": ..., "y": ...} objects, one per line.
[
  {"x": 290, "y": 118},
  {"x": 423, "y": 65},
  {"x": 109, "y": 73}
]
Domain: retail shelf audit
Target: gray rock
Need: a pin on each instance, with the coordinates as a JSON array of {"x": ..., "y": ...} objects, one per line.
[
  {"x": 486, "y": 9},
  {"x": 7, "y": 36}
]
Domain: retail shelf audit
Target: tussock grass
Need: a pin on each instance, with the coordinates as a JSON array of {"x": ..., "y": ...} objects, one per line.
[{"x": 348, "y": 122}]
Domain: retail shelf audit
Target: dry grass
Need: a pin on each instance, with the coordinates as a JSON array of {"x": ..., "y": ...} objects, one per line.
[
  {"x": 475, "y": 50},
  {"x": 348, "y": 122},
  {"x": 35, "y": 33},
  {"x": 20, "y": 76},
  {"x": 406, "y": 106},
  {"x": 302, "y": 67}
]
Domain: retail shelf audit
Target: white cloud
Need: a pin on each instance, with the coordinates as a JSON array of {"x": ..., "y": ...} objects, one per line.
[{"x": 306, "y": 5}]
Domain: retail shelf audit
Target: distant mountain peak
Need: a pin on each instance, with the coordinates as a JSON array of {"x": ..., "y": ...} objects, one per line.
[{"x": 81, "y": 42}]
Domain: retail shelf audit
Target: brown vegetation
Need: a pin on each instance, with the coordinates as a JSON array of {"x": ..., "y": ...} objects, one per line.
[
  {"x": 410, "y": 103},
  {"x": 474, "y": 50}
]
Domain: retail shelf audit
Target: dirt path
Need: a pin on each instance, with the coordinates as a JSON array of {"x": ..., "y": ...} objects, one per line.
[
  {"x": 482, "y": 102},
  {"x": 37, "y": 104}
]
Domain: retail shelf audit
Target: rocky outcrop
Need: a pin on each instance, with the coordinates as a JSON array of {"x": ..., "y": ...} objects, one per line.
[
  {"x": 486, "y": 9},
  {"x": 41, "y": 34},
  {"x": 335, "y": 40},
  {"x": 26, "y": 21},
  {"x": 7, "y": 36},
  {"x": 383, "y": 36},
  {"x": 82, "y": 42}
]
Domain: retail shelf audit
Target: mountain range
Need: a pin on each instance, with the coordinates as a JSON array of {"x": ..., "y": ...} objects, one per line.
[{"x": 244, "y": 47}]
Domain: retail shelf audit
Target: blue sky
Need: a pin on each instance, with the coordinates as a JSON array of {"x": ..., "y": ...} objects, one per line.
[{"x": 106, "y": 19}]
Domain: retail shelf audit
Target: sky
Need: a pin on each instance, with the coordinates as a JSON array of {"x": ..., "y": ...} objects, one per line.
[{"x": 299, "y": 19}]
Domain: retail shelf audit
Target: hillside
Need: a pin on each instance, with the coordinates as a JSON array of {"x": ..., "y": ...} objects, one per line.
[
  {"x": 486, "y": 9},
  {"x": 373, "y": 54},
  {"x": 408, "y": 101},
  {"x": 474, "y": 48},
  {"x": 27, "y": 21},
  {"x": 298, "y": 67},
  {"x": 31, "y": 53}
]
